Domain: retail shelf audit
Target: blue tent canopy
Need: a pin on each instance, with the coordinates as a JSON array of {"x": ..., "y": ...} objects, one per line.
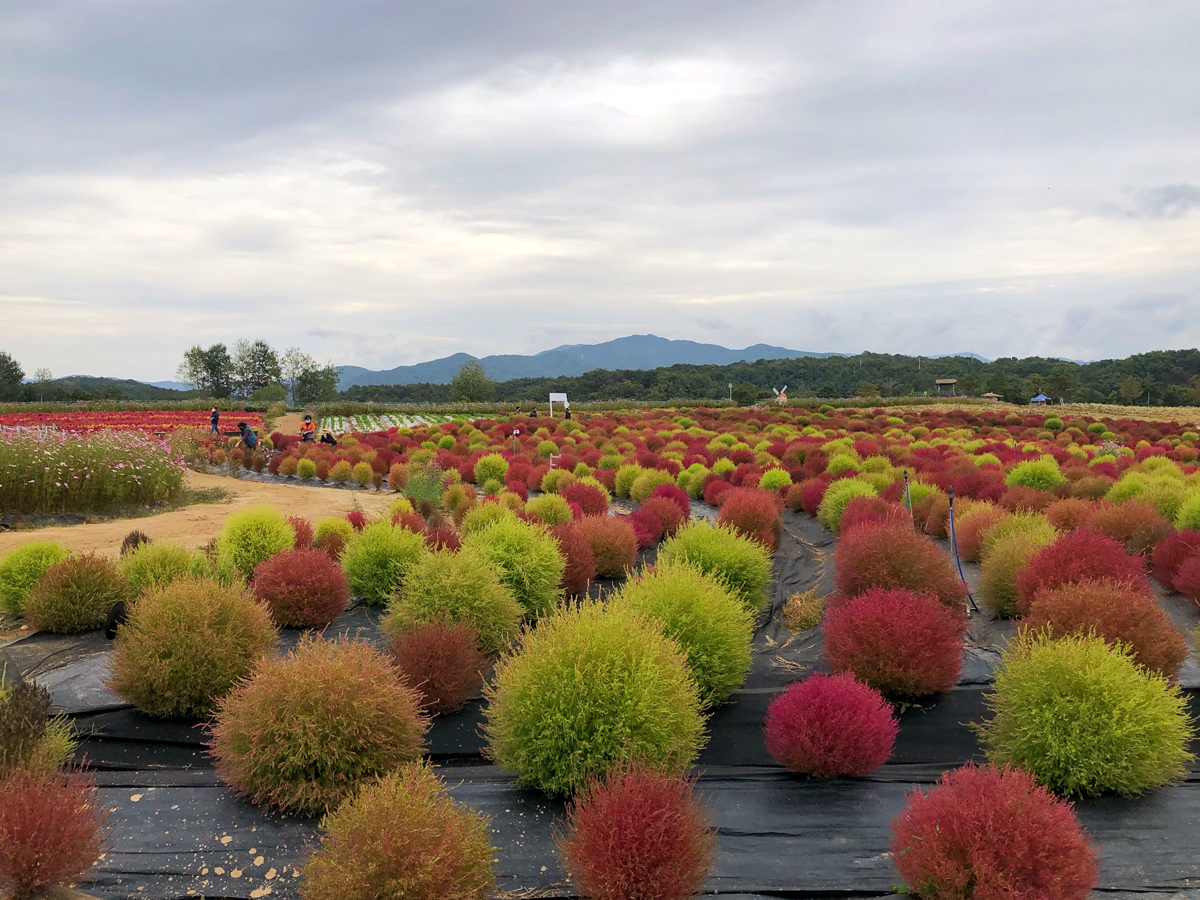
[{"x": 1040, "y": 398}]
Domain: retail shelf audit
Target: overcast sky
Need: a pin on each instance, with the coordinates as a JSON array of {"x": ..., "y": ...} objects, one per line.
[{"x": 384, "y": 181}]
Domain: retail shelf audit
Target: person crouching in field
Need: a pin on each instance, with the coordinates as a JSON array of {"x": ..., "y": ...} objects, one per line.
[{"x": 249, "y": 438}]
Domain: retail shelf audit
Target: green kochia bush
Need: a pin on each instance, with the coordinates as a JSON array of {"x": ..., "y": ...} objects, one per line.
[
  {"x": 254, "y": 535},
  {"x": 75, "y": 595},
  {"x": 1084, "y": 718},
  {"x": 187, "y": 644},
  {"x": 156, "y": 565},
  {"x": 774, "y": 479},
  {"x": 22, "y": 567},
  {"x": 528, "y": 560},
  {"x": 710, "y": 623},
  {"x": 377, "y": 558},
  {"x": 837, "y": 496},
  {"x": 1039, "y": 474},
  {"x": 457, "y": 587},
  {"x": 492, "y": 467},
  {"x": 591, "y": 689},
  {"x": 741, "y": 564}
]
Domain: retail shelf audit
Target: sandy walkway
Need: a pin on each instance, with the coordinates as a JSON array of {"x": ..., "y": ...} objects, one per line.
[{"x": 194, "y": 526}]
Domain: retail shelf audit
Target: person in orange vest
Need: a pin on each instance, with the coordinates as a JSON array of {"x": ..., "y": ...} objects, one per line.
[{"x": 308, "y": 431}]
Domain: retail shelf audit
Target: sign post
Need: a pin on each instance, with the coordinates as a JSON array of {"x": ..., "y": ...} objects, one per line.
[{"x": 557, "y": 398}]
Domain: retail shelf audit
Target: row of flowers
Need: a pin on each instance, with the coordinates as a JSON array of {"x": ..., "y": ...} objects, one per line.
[{"x": 143, "y": 420}]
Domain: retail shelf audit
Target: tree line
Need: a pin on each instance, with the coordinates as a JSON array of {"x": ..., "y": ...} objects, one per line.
[
  {"x": 1158, "y": 378},
  {"x": 254, "y": 370}
]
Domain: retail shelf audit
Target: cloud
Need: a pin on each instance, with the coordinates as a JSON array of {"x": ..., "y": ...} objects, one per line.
[{"x": 384, "y": 183}]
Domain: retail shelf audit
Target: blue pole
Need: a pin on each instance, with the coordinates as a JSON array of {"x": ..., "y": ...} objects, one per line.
[
  {"x": 908, "y": 502},
  {"x": 954, "y": 544}
]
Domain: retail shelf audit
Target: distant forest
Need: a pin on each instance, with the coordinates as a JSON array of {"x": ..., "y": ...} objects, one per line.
[{"x": 1159, "y": 378}]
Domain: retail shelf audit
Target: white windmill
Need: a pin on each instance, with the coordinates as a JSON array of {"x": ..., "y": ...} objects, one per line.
[{"x": 781, "y": 395}]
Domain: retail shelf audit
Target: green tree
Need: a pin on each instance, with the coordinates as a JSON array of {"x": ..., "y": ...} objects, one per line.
[
  {"x": 317, "y": 384},
  {"x": 255, "y": 366},
  {"x": 209, "y": 371},
  {"x": 867, "y": 389},
  {"x": 969, "y": 386},
  {"x": 11, "y": 374},
  {"x": 1034, "y": 384},
  {"x": 1063, "y": 384},
  {"x": 827, "y": 389},
  {"x": 472, "y": 384},
  {"x": 1130, "y": 389},
  {"x": 745, "y": 394}
]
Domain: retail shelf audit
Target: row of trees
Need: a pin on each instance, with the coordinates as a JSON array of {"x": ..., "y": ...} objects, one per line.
[
  {"x": 1162, "y": 378},
  {"x": 256, "y": 371}
]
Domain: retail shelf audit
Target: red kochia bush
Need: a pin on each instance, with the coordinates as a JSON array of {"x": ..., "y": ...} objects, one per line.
[
  {"x": 969, "y": 531},
  {"x": 441, "y": 661},
  {"x": 356, "y": 518},
  {"x": 676, "y": 495},
  {"x": 302, "y": 588},
  {"x": 647, "y": 527},
  {"x": 1187, "y": 579},
  {"x": 715, "y": 491},
  {"x": 1119, "y": 613},
  {"x": 901, "y": 643},
  {"x": 830, "y": 725},
  {"x": 1170, "y": 553},
  {"x": 303, "y": 530},
  {"x": 1135, "y": 523},
  {"x": 639, "y": 836},
  {"x": 1081, "y": 555},
  {"x": 892, "y": 555},
  {"x": 983, "y": 833},
  {"x": 1020, "y": 498},
  {"x": 411, "y": 521},
  {"x": 1070, "y": 514},
  {"x": 752, "y": 512},
  {"x": 581, "y": 564},
  {"x": 868, "y": 511},
  {"x": 51, "y": 830},
  {"x": 668, "y": 513},
  {"x": 590, "y": 498},
  {"x": 443, "y": 537},
  {"x": 813, "y": 492},
  {"x": 613, "y": 543}
]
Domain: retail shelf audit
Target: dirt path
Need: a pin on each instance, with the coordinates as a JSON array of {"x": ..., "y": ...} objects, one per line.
[
  {"x": 194, "y": 526},
  {"x": 288, "y": 424}
]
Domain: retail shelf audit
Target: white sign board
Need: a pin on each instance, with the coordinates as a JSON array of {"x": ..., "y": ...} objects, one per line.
[{"x": 558, "y": 398}]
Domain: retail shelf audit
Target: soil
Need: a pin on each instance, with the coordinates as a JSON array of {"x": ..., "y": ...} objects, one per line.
[
  {"x": 195, "y": 526},
  {"x": 289, "y": 423}
]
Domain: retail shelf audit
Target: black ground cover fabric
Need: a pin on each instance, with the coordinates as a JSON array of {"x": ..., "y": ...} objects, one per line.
[{"x": 178, "y": 832}]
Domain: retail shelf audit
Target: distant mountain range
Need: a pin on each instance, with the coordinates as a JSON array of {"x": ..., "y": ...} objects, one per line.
[{"x": 642, "y": 351}]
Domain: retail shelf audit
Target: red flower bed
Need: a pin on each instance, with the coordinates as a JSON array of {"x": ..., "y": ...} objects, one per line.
[{"x": 142, "y": 420}]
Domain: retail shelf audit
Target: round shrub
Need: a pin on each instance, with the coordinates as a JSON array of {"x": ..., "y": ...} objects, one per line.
[
  {"x": 643, "y": 486},
  {"x": 75, "y": 595},
  {"x": 132, "y": 541},
  {"x": 892, "y": 555},
  {"x": 305, "y": 729},
  {"x": 1188, "y": 517},
  {"x": 613, "y": 541},
  {"x": 590, "y": 689},
  {"x": 752, "y": 512},
  {"x": 666, "y": 511},
  {"x": 983, "y": 832},
  {"x": 676, "y": 495},
  {"x": 377, "y": 558},
  {"x": 1070, "y": 514},
  {"x": 1136, "y": 524},
  {"x": 362, "y": 473},
  {"x": 552, "y": 509},
  {"x": 184, "y": 646},
  {"x": 22, "y": 567},
  {"x": 592, "y": 500},
  {"x": 647, "y": 527},
  {"x": 1120, "y": 613},
  {"x": 492, "y": 467},
  {"x": 900, "y": 643},
  {"x": 1003, "y": 562},
  {"x": 441, "y": 661},
  {"x": 341, "y": 472},
  {"x": 402, "y": 836},
  {"x": 254, "y": 535},
  {"x": 830, "y": 725},
  {"x": 973, "y": 527},
  {"x": 456, "y": 587},
  {"x": 52, "y": 830},
  {"x": 336, "y": 525},
  {"x": 712, "y": 625},
  {"x": 1172, "y": 552},
  {"x": 32, "y": 739},
  {"x": 1039, "y": 529},
  {"x": 580, "y": 567},
  {"x": 1039, "y": 474},
  {"x": 835, "y": 498},
  {"x": 625, "y": 477},
  {"x": 527, "y": 558},
  {"x": 480, "y": 517},
  {"x": 742, "y": 565},
  {"x": 156, "y": 566},
  {"x": 1082, "y": 555},
  {"x": 305, "y": 468},
  {"x": 1187, "y": 579},
  {"x": 774, "y": 479},
  {"x": 302, "y": 588},
  {"x": 1084, "y": 718},
  {"x": 640, "y": 834}
]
